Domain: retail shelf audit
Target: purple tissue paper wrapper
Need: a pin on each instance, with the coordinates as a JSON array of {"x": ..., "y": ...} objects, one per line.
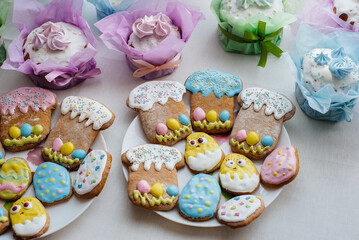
[
  {"x": 117, "y": 28},
  {"x": 28, "y": 15},
  {"x": 320, "y": 15}
]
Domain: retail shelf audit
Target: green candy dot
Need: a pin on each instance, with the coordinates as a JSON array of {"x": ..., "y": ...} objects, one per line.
[{"x": 37, "y": 129}]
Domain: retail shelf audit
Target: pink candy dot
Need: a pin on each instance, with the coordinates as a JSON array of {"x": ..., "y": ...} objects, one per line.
[
  {"x": 242, "y": 203},
  {"x": 201, "y": 179},
  {"x": 223, "y": 206},
  {"x": 199, "y": 114},
  {"x": 42, "y": 187},
  {"x": 84, "y": 181},
  {"x": 190, "y": 207},
  {"x": 49, "y": 172},
  {"x": 241, "y": 135},
  {"x": 236, "y": 214},
  {"x": 56, "y": 145},
  {"x": 189, "y": 183},
  {"x": 38, "y": 173},
  {"x": 143, "y": 186},
  {"x": 58, "y": 191},
  {"x": 223, "y": 213},
  {"x": 61, "y": 174},
  {"x": 161, "y": 129},
  {"x": 192, "y": 191},
  {"x": 81, "y": 172},
  {"x": 201, "y": 197}
]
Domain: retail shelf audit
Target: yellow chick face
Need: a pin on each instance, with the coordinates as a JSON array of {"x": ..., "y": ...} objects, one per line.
[
  {"x": 199, "y": 142},
  {"x": 237, "y": 163},
  {"x": 26, "y": 209}
]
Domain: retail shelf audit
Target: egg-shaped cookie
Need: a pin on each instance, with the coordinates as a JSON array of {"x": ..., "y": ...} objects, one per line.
[
  {"x": 240, "y": 210},
  {"x": 200, "y": 197},
  {"x": 15, "y": 178},
  {"x": 29, "y": 218},
  {"x": 52, "y": 183},
  {"x": 4, "y": 219},
  {"x": 281, "y": 166},
  {"x": 203, "y": 154},
  {"x": 238, "y": 175}
]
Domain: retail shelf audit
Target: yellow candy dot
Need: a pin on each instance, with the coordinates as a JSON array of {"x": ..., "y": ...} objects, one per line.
[
  {"x": 41, "y": 194},
  {"x": 53, "y": 194},
  {"x": 67, "y": 148},
  {"x": 51, "y": 179},
  {"x": 269, "y": 163},
  {"x": 157, "y": 190},
  {"x": 209, "y": 180},
  {"x": 259, "y": 197},
  {"x": 290, "y": 169},
  {"x": 199, "y": 209},
  {"x": 47, "y": 191},
  {"x": 211, "y": 192},
  {"x": 45, "y": 180},
  {"x": 206, "y": 186},
  {"x": 195, "y": 201},
  {"x": 251, "y": 201},
  {"x": 38, "y": 182},
  {"x": 88, "y": 173},
  {"x": 198, "y": 185},
  {"x": 233, "y": 207},
  {"x": 55, "y": 169},
  {"x": 173, "y": 124},
  {"x": 14, "y": 132},
  {"x": 252, "y": 138},
  {"x": 62, "y": 182},
  {"x": 212, "y": 116},
  {"x": 43, "y": 174},
  {"x": 275, "y": 174},
  {"x": 187, "y": 196},
  {"x": 208, "y": 203},
  {"x": 283, "y": 174},
  {"x": 280, "y": 164},
  {"x": 44, "y": 166},
  {"x": 37, "y": 129},
  {"x": 279, "y": 152}
]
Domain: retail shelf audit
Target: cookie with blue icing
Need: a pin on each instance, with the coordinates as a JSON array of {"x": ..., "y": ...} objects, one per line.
[
  {"x": 4, "y": 219},
  {"x": 200, "y": 198},
  {"x": 52, "y": 183},
  {"x": 212, "y": 100},
  {"x": 92, "y": 174}
]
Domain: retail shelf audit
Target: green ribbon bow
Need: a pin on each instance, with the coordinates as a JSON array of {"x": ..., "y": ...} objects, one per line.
[{"x": 261, "y": 38}]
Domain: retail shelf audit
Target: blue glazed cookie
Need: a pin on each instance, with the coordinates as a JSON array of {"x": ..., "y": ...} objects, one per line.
[{"x": 200, "y": 197}]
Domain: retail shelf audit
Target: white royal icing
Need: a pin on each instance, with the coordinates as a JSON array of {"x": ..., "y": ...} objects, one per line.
[
  {"x": 30, "y": 228},
  {"x": 250, "y": 8},
  {"x": 40, "y": 55},
  {"x": 349, "y": 7},
  {"x": 205, "y": 161},
  {"x": 96, "y": 113},
  {"x": 151, "y": 153},
  {"x": 316, "y": 76},
  {"x": 89, "y": 175},
  {"x": 275, "y": 103},
  {"x": 247, "y": 184},
  {"x": 144, "y": 96},
  {"x": 239, "y": 208}
]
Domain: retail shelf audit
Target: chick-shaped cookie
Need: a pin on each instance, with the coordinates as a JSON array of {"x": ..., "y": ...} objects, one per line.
[
  {"x": 238, "y": 175},
  {"x": 29, "y": 218},
  {"x": 203, "y": 154}
]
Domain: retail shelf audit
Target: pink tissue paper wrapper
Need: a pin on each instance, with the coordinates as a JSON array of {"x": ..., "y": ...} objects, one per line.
[
  {"x": 117, "y": 28},
  {"x": 320, "y": 15},
  {"x": 28, "y": 15}
]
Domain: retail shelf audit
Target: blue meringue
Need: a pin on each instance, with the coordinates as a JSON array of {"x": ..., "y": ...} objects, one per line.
[
  {"x": 340, "y": 68},
  {"x": 322, "y": 59},
  {"x": 338, "y": 53}
]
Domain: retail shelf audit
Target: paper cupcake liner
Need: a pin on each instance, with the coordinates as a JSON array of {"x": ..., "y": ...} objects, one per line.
[{"x": 104, "y": 8}]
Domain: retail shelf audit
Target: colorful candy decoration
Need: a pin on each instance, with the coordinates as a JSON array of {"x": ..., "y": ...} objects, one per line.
[
  {"x": 56, "y": 145},
  {"x": 90, "y": 173},
  {"x": 212, "y": 116},
  {"x": 267, "y": 141},
  {"x": 199, "y": 114},
  {"x": 78, "y": 153},
  {"x": 281, "y": 166},
  {"x": 172, "y": 190},
  {"x": 67, "y": 148},
  {"x": 184, "y": 120},
  {"x": 25, "y": 133},
  {"x": 241, "y": 135},
  {"x": 52, "y": 182},
  {"x": 26, "y": 130},
  {"x": 15, "y": 178},
  {"x": 238, "y": 175},
  {"x": 14, "y": 132},
  {"x": 252, "y": 138},
  {"x": 28, "y": 217},
  {"x": 143, "y": 186},
  {"x": 224, "y": 116},
  {"x": 157, "y": 190},
  {"x": 161, "y": 129},
  {"x": 199, "y": 197},
  {"x": 173, "y": 124}
]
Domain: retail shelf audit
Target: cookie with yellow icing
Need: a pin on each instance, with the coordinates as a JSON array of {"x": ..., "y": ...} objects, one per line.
[
  {"x": 25, "y": 117},
  {"x": 15, "y": 178},
  {"x": 152, "y": 178},
  {"x": 70, "y": 139},
  {"x": 203, "y": 154},
  {"x": 238, "y": 175},
  {"x": 162, "y": 112},
  {"x": 258, "y": 125},
  {"x": 29, "y": 218},
  {"x": 4, "y": 219},
  {"x": 212, "y": 100}
]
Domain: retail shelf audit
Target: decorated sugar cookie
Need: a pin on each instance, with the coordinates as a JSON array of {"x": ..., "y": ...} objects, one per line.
[
  {"x": 203, "y": 154},
  {"x": 212, "y": 100},
  {"x": 163, "y": 115},
  {"x": 4, "y": 219},
  {"x": 152, "y": 178},
  {"x": 259, "y": 123},
  {"x": 240, "y": 211},
  {"x": 25, "y": 117},
  {"x": 92, "y": 174},
  {"x": 71, "y": 137},
  {"x": 29, "y": 218},
  {"x": 52, "y": 183},
  {"x": 199, "y": 198},
  {"x": 238, "y": 175},
  {"x": 281, "y": 166},
  {"x": 15, "y": 178}
]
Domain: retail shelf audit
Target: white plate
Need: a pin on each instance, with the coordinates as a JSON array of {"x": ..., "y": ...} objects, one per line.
[
  {"x": 60, "y": 214},
  {"x": 135, "y": 136}
]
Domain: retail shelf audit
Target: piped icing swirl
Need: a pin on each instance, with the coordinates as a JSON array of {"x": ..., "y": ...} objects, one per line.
[
  {"x": 338, "y": 70},
  {"x": 58, "y": 40}
]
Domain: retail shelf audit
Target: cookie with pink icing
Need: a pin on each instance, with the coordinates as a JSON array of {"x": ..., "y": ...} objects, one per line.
[
  {"x": 25, "y": 117},
  {"x": 162, "y": 112},
  {"x": 281, "y": 166}
]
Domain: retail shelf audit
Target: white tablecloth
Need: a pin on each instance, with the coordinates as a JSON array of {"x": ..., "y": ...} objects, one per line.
[{"x": 319, "y": 204}]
